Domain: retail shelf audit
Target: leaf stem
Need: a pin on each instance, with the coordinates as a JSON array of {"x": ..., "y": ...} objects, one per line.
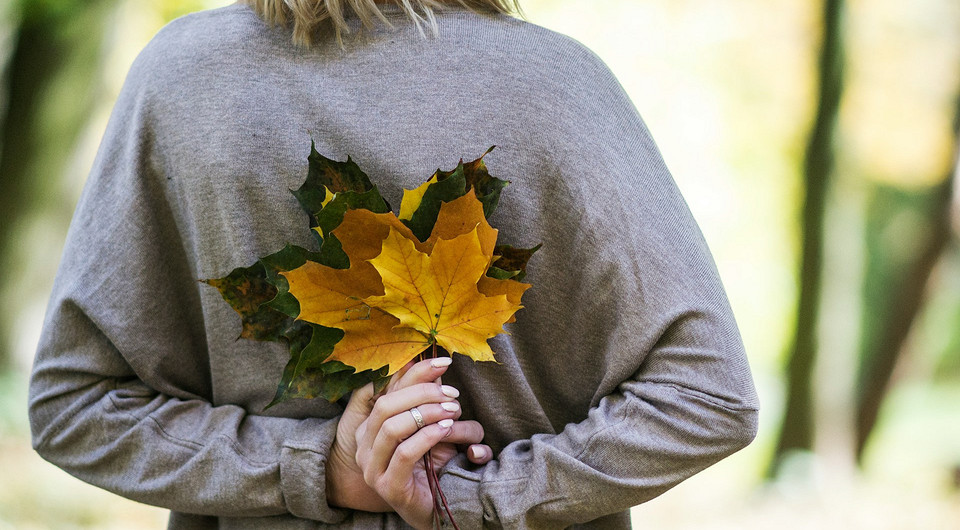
[{"x": 439, "y": 499}]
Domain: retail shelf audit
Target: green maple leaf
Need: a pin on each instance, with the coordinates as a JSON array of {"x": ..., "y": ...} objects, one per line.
[
  {"x": 325, "y": 174},
  {"x": 307, "y": 375},
  {"x": 246, "y": 290},
  {"x": 487, "y": 187},
  {"x": 510, "y": 262},
  {"x": 287, "y": 259},
  {"x": 446, "y": 186}
]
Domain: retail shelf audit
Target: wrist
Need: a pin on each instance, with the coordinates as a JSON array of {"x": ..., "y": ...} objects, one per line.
[
  {"x": 334, "y": 495},
  {"x": 346, "y": 487}
]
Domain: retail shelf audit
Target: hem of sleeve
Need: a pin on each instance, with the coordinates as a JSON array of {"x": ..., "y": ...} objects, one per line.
[
  {"x": 462, "y": 491},
  {"x": 303, "y": 471}
]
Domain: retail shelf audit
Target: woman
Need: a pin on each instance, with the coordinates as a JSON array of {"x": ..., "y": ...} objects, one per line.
[{"x": 624, "y": 373}]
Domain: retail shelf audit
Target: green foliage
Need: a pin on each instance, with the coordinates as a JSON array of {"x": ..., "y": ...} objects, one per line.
[
  {"x": 324, "y": 174},
  {"x": 511, "y": 262},
  {"x": 261, "y": 296},
  {"x": 897, "y": 224},
  {"x": 454, "y": 184},
  {"x": 449, "y": 186}
]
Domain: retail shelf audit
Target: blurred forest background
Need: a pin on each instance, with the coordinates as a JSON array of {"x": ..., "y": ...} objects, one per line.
[{"x": 815, "y": 142}]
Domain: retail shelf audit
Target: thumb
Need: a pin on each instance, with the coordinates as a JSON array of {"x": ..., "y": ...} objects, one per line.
[{"x": 361, "y": 400}]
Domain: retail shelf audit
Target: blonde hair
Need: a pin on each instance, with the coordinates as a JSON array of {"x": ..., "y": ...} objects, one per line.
[{"x": 306, "y": 15}]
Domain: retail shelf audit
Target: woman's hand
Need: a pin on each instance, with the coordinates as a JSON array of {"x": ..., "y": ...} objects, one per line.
[
  {"x": 344, "y": 478},
  {"x": 390, "y": 446},
  {"x": 345, "y": 482}
]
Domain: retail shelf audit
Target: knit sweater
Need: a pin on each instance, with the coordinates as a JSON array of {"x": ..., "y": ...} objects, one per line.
[{"x": 623, "y": 374}]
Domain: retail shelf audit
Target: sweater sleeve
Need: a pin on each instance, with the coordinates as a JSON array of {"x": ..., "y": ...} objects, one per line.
[
  {"x": 647, "y": 296},
  {"x": 121, "y": 392}
]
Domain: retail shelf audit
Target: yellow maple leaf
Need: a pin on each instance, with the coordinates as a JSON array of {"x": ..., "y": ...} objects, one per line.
[
  {"x": 375, "y": 340},
  {"x": 327, "y": 196},
  {"x": 362, "y": 232},
  {"x": 460, "y": 216},
  {"x": 412, "y": 198},
  {"x": 512, "y": 289},
  {"x": 334, "y": 297},
  {"x": 437, "y": 295}
]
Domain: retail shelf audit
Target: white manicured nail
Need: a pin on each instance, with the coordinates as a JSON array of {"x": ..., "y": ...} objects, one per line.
[
  {"x": 440, "y": 362},
  {"x": 450, "y": 391},
  {"x": 450, "y": 406},
  {"x": 476, "y": 453},
  {"x": 446, "y": 424}
]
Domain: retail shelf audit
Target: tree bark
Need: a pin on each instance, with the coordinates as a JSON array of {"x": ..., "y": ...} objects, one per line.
[
  {"x": 797, "y": 430},
  {"x": 50, "y": 89},
  {"x": 886, "y": 328}
]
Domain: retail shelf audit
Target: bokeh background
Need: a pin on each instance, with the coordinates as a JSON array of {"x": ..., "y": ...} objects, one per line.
[{"x": 815, "y": 142}]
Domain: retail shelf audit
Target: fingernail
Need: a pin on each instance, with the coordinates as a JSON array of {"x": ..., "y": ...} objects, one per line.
[
  {"x": 440, "y": 362},
  {"x": 450, "y": 406},
  {"x": 446, "y": 424},
  {"x": 450, "y": 391},
  {"x": 476, "y": 453}
]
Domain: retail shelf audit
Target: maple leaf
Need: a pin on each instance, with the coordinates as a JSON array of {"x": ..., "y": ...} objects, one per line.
[
  {"x": 334, "y": 297},
  {"x": 512, "y": 289},
  {"x": 437, "y": 295},
  {"x": 310, "y": 374},
  {"x": 326, "y": 177},
  {"x": 258, "y": 294},
  {"x": 459, "y": 217},
  {"x": 341, "y": 310},
  {"x": 486, "y": 186},
  {"x": 246, "y": 290},
  {"x": 420, "y": 206},
  {"x": 372, "y": 301},
  {"x": 510, "y": 262}
]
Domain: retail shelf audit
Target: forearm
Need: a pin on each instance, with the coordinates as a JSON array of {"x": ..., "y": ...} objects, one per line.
[
  {"x": 634, "y": 446},
  {"x": 185, "y": 455}
]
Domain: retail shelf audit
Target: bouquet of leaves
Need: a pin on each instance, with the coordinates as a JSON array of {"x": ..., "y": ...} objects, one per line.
[{"x": 382, "y": 289}]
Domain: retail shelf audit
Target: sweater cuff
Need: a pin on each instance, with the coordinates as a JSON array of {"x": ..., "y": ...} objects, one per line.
[
  {"x": 462, "y": 491},
  {"x": 303, "y": 471}
]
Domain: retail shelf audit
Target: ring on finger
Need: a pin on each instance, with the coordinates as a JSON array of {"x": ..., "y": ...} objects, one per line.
[{"x": 417, "y": 417}]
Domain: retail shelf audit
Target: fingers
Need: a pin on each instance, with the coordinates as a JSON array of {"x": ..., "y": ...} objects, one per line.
[
  {"x": 423, "y": 372},
  {"x": 410, "y": 452},
  {"x": 465, "y": 433},
  {"x": 479, "y": 453},
  {"x": 362, "y": 400},
  {"x": 405, "y": 399},
  {"x": 401, "y": 427},
  {"x": 399, "y": 403}
]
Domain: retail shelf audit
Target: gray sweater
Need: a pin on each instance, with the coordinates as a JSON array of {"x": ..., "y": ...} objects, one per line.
[{"x": 623, "y": 375}]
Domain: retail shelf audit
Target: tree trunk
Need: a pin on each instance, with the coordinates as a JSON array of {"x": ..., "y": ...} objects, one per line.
[
  {"x": 899, "y": 293},
  {"x": 50, "y": 90},
  {"x": 797, "y": 429}
]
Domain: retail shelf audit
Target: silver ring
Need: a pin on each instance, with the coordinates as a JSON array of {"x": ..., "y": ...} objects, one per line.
[{"x": 417, "y": 417}]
